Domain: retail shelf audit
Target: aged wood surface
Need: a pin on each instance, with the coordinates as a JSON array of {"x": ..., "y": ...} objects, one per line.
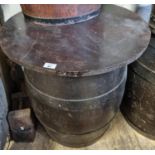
[
  {"x": 119, "y": 136},
  {"x": 138, "y": 106},
  {"x": 78, "y": 110},
  {"x": 58, "y": 11},
  {"x": 109, "y": 41}
]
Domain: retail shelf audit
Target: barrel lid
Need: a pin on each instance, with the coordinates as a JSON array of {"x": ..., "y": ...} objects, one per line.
[
  {"x": 145, "y": 65},
  {"x": 113, "y": 39}
]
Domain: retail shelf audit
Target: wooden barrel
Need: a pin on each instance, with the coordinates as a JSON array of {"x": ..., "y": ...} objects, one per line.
[
  {"x": 76, "y": 74},
  {"x": 138, "y": 106},
  {"x": 60, "y": 13},
  {"x": 76, "y": 111}
]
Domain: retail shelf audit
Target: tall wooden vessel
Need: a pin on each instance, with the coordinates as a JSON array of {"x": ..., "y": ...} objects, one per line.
[{"x": 76, "y": 73}]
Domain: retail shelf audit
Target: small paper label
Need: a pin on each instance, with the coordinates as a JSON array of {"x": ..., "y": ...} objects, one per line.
[{"x": 50, "y": 65}]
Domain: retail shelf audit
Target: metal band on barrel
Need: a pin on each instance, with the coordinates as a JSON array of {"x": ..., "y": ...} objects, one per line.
[{"x": 65, "y": 21}]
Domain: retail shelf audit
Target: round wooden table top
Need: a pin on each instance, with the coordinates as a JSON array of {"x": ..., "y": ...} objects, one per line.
[{"x": 114, "y": 39}]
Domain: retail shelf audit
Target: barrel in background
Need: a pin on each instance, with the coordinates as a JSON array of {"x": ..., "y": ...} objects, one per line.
[{"x": 138, "y": 106}]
